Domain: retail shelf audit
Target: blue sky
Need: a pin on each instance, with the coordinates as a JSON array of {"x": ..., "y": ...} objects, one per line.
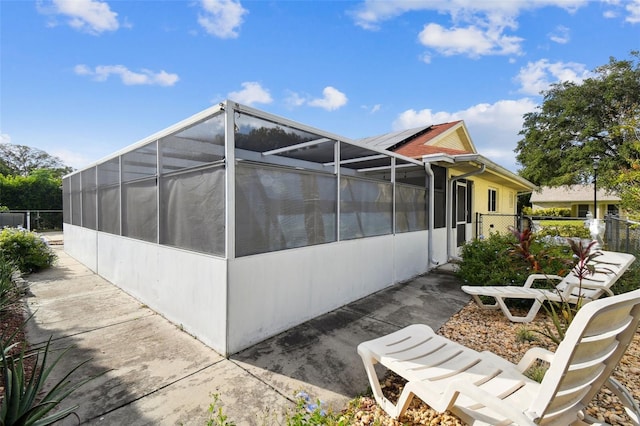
[{"x": 82, "y": 79}]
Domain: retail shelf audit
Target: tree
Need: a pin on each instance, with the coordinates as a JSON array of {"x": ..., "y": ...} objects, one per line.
[
  {"x": 578, "y": 122},
  {"x": 627, "y": 180},
  {"x": 21, "y": 160},
  {"x": 41, "y": 190}
]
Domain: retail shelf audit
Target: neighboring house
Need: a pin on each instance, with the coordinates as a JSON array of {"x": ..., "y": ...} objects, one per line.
[
  {"x": 579, "y": 198},
  {"x": 239, "y": 224},
  {"x": 482, "y": 194}
]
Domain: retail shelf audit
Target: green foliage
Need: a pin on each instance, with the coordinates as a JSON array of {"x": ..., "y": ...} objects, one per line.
[
  {"x": 41, "y": 190},
  {"x": 537, "y": 371},
  {"x": 628, "y": 181},
  {"x": 630, "y": 280},
  {"x": 25, "y": 249},
  {"x": 577, "y": 122},
  {"x": 488, "y": 261},
  {"x": 525, "y": 334},
  {"x": 22, "y": 160},
  {"x": 564, "y": 230},
  {"x": 216, "y": 414},
  {"x": 562, "y": 313},
  {"x": 25, "y": 401},
  {"x": 9, "y": 294},
  {"x": 550, "y": 212},
  {"x": 306, "y": 412}
]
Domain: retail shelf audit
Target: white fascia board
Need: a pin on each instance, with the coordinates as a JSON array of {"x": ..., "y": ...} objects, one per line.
[
  {"x": 158, "y": 135},
  {"x": 285, "y": 121}
]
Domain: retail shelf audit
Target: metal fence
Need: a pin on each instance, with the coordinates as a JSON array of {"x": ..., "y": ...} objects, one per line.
[
  {"x": 622, "y": 235},
  {"x": 489, "y": 223},
  {"x": 33, "y": 220}
]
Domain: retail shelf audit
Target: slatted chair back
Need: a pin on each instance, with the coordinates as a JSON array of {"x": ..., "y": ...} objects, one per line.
[{"x": 593, "y": 346}]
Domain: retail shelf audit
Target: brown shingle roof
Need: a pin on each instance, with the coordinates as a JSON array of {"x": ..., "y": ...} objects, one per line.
[
  {"x": 415, "y": 149},
  {"x": 418, "y": 147}
]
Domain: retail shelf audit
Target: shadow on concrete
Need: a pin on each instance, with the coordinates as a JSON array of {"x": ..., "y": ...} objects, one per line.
[
  {"x": 149, "y": 361},
  {"x": 161, "y": 375},
  {"x": 319, "y": 356}
]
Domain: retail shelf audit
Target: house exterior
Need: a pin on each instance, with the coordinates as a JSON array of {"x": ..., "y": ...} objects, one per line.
[
  {"x": 579, "y": 198},
  {"x": 474, "y": 186},
  {"x": 238, "y": 224}
]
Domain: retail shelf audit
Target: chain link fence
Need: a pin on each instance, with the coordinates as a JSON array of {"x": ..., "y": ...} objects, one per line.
[
  {"x": 622, "y": 235},
  {"x": 33, "y": 220},
  {"x": 490, "y": 223}
]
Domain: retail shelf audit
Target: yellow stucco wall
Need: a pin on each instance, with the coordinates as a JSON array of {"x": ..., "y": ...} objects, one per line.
[{"x": 506, "y": 204}]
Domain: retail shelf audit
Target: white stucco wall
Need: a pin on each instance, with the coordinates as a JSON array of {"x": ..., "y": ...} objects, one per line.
[
  {"x": 440, "y": 245},
  {"x": 187, "y": 288},
  {"x": 272, "y": 292},
  {"x": 267, "y": 293},
  {"x": 81, "y": 244}
]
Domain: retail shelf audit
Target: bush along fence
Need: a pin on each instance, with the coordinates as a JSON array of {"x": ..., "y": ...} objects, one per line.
[{"x": 553, "y": 226}]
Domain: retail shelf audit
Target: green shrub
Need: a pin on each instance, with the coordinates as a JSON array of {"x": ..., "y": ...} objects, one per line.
[
  {"x": 25, "y": 249},
  {"x": 568, "y": 231},
  {"x": 9, "y": 294},
  {"x": 630, "y": 280},
  {"x": 551, "y": 212},
  {"x": 488, "y": 261}
]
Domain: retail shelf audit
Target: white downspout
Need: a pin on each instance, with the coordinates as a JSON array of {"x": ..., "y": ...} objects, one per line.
[
  {"x": 430, "y": 259},
  {"x": 449, "y": 211}
]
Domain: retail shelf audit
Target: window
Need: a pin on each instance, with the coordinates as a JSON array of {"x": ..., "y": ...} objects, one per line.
[
  {"x": 493, "y": 200},
  {"x": 440, "y": 196},
  {"x": 583, "y": 209}
]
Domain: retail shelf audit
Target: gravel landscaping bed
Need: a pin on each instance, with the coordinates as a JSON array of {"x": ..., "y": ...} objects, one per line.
[{"x": 490, "y": 330}]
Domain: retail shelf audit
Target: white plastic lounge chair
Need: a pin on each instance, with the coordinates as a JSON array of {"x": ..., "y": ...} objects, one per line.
[
  {"x": 482, "y": 388},
  {"x": 611, "y": 264}
]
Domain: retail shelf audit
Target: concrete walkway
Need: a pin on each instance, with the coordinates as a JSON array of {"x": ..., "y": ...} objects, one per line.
[{"x": 160, "y": 375}]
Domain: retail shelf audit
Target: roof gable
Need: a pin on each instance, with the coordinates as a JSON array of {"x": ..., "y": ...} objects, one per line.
[
  {"x": 445, "y": 138},
  {"x": 571, "y": 193}
]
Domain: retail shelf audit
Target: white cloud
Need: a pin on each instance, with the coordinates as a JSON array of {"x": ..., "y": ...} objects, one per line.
[
  {"x": 294, "y": 99},
  {"x": 90, "y": 16},
  {"x": 472, "y": 41},
  {"x": 478, "y": 27},
  {"x": 129, "y": 78},
  {"x": 371, "y": 13},
  {"x": 560, "y": 35},
  {"x": 251, "y": 93},
  {"x": 332, "y": 99},
  {"x": 633, "y": 7},
  {"x": 538, "y": 76},
  {"x": 493, "y": 127},
  {"x": 221, "y": 18},
  {"x": 5, "y": 138}
]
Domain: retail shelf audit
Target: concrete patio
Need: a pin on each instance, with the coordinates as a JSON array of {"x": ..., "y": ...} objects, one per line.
[{"x": 158, "y": 374}]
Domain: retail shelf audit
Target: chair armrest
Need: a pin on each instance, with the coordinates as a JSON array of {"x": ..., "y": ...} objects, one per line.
[
  {"x": 587, "y": 285},
  {"x": 533, "y": 355},
  {"x": 533, "y": 277}
]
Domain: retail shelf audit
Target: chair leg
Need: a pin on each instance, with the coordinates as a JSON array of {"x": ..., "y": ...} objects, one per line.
[
  {"x": 513, "y": 318},
  {"x": 483, "y": 305},
  {"x": 374, "y": 381}
]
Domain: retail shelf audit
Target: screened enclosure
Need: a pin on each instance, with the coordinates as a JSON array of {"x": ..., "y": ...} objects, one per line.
[
  {"x": 289, "y": 192},
  {"x": 234, "y": 183}
]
